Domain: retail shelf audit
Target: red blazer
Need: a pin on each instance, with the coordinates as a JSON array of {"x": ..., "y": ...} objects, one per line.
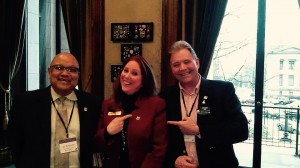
[{"x": 146, "y": 137}]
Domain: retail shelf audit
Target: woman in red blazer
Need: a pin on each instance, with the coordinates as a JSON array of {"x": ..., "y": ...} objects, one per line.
[{"x": 132, "y": 130}]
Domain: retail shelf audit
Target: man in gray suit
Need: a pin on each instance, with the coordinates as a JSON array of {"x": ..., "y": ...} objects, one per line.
[{"x": 35, "y": 114}]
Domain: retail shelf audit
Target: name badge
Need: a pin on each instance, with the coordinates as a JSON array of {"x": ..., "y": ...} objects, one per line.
[
  {"x": 114, "y": 113},
  {"x": 189, "y": 138},
  {"x": 204, "y": 111},
  {"x": 68, "y": 145}
]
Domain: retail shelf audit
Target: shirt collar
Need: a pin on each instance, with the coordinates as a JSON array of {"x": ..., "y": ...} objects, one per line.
[
  {"x": 197, "y": 87},
  {"x": 72, "y": 96}
]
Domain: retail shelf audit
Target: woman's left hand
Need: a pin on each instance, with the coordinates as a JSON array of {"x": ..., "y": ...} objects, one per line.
[{"x": 116, "y": 125}]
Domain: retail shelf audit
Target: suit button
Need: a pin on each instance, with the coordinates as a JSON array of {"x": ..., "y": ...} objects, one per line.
[{"x": 213, "y": 147}]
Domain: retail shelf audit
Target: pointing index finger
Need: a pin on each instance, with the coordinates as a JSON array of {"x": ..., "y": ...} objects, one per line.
[
  {"x": 125, "y": 117},
  {"x": 173, "y": 123}
]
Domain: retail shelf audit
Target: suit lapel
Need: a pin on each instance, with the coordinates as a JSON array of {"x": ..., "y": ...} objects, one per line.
[
  {"x": 43, "y": 118},
  {"x": 83, "y": 113},
  {"x": 176, "y": 107},
  {"x": 204, "y": 93},
  {"x": 44, "y": 110},
  {"x": 81, "y": 103}
]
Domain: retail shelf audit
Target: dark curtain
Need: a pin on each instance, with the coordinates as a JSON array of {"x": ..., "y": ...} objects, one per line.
[
  {"x": 203, "y": 23},
  {"x": 171, "y": 32},
  {"x": 12, "y": 44},
  {"x": 96, "y": 80},
  {"x": 74, "y": 14},
  {"x": 84, "y": 23},
  {"x": 43, "y": 18}
]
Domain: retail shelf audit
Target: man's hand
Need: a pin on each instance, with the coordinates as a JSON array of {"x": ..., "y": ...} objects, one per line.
[
  {"x": 187, "y": 126},
  {"x": 185, "y": 162},
  {"x": 116, "y": 125}
]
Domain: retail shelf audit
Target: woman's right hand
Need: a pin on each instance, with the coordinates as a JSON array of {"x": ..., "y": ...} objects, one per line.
[
  {"x": 185, "y": 162},
  {"x": 116, "y": 125}
]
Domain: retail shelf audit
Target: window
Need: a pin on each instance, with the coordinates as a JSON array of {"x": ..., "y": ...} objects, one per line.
[
  {"x": 42, "y": 40},
  {"x": 291, "y": 80},
  {"x": 291, "y": 64},
  {"x": 237, "y": 41},
  {"x": 280, "y": 80},
  {"x": 281, "y": 64}
]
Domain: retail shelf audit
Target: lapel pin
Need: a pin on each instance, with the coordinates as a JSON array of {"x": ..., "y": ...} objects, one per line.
[
  {"x": 85, "y": 109},
  {"x": 204, "y": 98}
]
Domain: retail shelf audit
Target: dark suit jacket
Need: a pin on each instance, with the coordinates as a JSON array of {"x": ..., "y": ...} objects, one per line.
[
  {"x": 30, "y": 128},
  {"x": 146, "y": 138},
  {"x": 221, "y": 123}
]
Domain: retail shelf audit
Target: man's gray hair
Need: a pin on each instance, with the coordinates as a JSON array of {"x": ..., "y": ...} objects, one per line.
[{"x": 178, "y": 45}]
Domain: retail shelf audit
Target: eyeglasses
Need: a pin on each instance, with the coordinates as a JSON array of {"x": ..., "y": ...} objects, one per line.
[{"x": 62, "y": 68}]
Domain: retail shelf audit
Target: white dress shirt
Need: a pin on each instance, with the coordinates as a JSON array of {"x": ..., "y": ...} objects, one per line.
[
  {"x": 73, "y": 129},
  {"x": 189, "y": 100}
]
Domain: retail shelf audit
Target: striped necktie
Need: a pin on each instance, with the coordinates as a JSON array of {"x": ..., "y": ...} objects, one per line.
[{"x": 61, "y": 160}]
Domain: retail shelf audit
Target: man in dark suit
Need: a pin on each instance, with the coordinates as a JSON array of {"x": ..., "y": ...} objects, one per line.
[
  {"x": 204, "y": 116},
  {"x": 35, "y": 121}
]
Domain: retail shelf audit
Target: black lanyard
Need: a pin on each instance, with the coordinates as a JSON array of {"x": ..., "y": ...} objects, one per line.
[
  {"x": 66, "y": 127},
  {"x": 189, "y": 114}
]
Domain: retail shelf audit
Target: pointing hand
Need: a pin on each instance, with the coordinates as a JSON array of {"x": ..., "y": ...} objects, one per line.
[
  {"x": 116, "y": 125},
  {"x": 187, "y": 126}
]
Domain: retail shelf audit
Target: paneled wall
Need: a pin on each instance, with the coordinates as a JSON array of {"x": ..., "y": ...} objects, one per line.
[{"x": 117, "y": 11}]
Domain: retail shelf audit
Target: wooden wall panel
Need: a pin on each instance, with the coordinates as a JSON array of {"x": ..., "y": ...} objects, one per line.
[{"x": 172, "y": 31}]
